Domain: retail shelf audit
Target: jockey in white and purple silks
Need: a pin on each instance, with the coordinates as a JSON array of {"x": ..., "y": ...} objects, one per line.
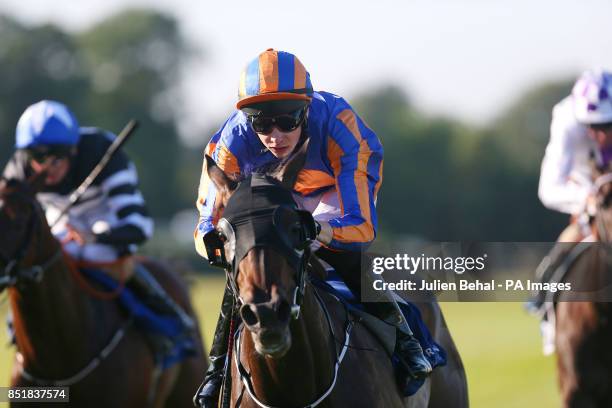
[{"x": 580, "y": 136}]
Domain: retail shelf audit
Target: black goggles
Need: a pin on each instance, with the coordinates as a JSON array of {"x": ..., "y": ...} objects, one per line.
[
  {"x": 286, "y": 122},
  {"x": 42, "y": 153},
  {"x": 601, "y": 126}
]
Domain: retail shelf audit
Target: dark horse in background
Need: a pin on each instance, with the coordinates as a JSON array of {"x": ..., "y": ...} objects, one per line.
[
  {"x": 66, "y": 337},
  {"x": 322, "y": 354},
  {"x": 584, "y": 328}
]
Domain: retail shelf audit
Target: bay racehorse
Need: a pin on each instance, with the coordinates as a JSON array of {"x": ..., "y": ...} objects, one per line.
[
  {"x": 584, "y": 326},
  {"x": 67, "y": 337},
  {"x": 298, "y": 346}
]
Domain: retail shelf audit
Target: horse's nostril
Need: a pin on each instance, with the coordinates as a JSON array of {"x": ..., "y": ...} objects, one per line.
[
  {"x": 271, "y": 337},
  {"x": 248, "y": 316},
  {"x": 284, "y": 311}
]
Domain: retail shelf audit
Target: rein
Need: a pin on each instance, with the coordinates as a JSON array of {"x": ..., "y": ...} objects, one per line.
[
  {"x": 263, "y": 213},
  {"x": 304, "y": 255},
  {"x": 12, "y": 271},
  {"x": 89, "y": 367},
  {"x": 245, "y": 377},
  {"x": 13, "y": 274}
]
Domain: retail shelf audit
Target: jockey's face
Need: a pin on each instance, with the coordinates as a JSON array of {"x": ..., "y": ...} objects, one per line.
[
  {"x": 280, "y": 143},
  {"x": 278, "y": 124},
  {"x": 56, "y": 167},
  {"x": 602, "y": 134}
]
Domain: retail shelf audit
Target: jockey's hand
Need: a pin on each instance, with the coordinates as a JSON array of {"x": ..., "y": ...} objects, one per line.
[
  {"x": 326, "y": 234},
  {"x": 79, "y": 236},
  {"x": 591, "y": 205}
]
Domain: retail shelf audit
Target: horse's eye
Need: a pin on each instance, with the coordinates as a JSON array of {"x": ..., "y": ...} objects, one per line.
[{"x": 296, "y": 232}]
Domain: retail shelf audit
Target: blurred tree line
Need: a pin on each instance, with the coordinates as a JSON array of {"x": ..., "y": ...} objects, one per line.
[
  {"x": 450, "y": 181},
  {"x": 443, "y": 179},
  {"x": 127, "y": 66}
]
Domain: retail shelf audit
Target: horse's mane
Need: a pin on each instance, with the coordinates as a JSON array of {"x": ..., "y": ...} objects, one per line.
[{"x": 13, "y": 186}]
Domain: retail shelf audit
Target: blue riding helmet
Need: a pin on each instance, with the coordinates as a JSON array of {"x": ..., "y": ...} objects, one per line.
[{"x": 46, "y": 123}]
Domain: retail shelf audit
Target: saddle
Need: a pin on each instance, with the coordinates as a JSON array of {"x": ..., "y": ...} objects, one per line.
[
  {"x": 324, "y": 277},
  {"x": 166, "y": 333}
]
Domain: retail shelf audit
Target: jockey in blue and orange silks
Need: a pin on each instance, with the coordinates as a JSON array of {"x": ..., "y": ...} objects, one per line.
[{"x": 277, "y": 108}]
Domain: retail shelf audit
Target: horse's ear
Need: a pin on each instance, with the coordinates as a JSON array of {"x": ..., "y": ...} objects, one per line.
[
  {"x": 218, "y": 176},
  {"x": 289, "y": 171},
  {"x": 36, "y": 182}
]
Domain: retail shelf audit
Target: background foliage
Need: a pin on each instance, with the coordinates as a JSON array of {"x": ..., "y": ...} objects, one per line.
[{"x": 443, "y": 179}]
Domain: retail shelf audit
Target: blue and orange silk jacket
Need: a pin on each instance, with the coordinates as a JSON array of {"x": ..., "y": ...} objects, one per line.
[{"x": 343, "y": 154}]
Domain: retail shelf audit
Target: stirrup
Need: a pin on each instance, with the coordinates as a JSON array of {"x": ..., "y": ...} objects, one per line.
[{"x": 207, "y": 395}]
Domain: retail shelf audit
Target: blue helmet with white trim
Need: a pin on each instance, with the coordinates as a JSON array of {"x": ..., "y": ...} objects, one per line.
[{"x": 46, "y": 123}]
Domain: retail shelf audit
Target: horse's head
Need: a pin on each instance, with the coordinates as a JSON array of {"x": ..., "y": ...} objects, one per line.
[
  {"x": 262, "y": 241},
  {"x": 20, "y": 217}
]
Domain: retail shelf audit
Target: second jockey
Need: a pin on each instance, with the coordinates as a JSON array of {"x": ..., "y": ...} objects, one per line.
[
  {"x": 105, "y": 226},
  {"x": 580, "y": 138}
]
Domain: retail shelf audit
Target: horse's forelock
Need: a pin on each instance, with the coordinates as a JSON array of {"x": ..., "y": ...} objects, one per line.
[{"x": 15, "y": 188}]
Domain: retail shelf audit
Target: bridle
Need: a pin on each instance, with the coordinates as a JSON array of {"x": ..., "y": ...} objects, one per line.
[
  {"x": 602, "y": 229},
  {"x": 13, "y": 271},
  {"x": 274, "y": 222},
  {"x": 301, "y": 256},
  {"x": 338, "y": 357},
  {"x": 225, "y": 250},
  {"x": 225, "y": 236}
]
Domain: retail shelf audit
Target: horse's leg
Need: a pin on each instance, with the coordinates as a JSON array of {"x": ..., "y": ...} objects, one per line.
[
  {"x": 570, "y": 333},
  {"x": 191, "y": 369},
  {"x": 582, "y": 343},
  {"x": 164, "y": 387},
  {"x": 448, "y": 383}
]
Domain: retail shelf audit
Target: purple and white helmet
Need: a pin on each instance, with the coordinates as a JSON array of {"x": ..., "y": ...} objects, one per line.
[{"x": 592, "y": 96}]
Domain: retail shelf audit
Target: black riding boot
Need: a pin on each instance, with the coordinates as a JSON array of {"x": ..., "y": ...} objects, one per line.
[
  {"x": 207, "y": 395},
  {"x": 407, "y": 347},
  {"x": 408, "y": 350}
]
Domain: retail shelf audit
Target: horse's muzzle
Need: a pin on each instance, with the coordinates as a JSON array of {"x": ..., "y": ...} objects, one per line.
[{"x": 269, "y": 326}]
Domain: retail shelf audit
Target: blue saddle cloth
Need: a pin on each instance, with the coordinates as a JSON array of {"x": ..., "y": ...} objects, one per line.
[
  {"x": 147, "y": 320},
  {"x": 433, "y": 351}
]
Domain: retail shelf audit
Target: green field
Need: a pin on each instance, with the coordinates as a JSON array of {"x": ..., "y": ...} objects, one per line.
[
  {"x": 499, "y": 343},
  {"x": 501, "y": 349}
]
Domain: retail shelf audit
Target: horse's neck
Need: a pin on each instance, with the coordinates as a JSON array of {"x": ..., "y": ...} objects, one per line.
[
  {"x": 306, "y": 371},
  {"x": 53, "y": 320}
]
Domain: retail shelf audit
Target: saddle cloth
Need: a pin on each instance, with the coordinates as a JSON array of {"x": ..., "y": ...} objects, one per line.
[{"x": 178, "y": 348}]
